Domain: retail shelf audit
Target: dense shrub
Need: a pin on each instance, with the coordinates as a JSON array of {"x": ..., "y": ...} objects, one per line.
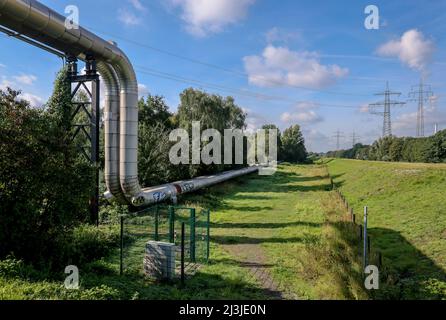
[
  {"x": 87, "y": 243},
  {"x": 44, "y": 185}
]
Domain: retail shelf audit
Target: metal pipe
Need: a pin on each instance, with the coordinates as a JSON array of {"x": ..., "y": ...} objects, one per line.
[
  {"x": 32, "y": 42},
  {"x": 165, "y": 192},
  {"x": 38, "y": 22},
  {"x": 111, "y": 128}
]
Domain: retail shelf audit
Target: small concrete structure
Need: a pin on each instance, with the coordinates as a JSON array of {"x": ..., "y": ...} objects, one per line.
[{"x": 159, "y": 260}]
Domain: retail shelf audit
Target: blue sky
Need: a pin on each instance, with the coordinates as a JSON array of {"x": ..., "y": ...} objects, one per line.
[{"x": 307, "y": 62}]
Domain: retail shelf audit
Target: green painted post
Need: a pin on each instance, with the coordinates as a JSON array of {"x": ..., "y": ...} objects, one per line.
[
  {"x": 192, "y": 235},
  {"x": 171, "y": 224},
  {"x": 208, "y": 239},
  {"x": 156, "y": 224}
]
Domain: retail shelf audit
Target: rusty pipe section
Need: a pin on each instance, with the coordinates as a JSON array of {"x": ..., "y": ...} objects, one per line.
[{"x": 38, "y": 22}]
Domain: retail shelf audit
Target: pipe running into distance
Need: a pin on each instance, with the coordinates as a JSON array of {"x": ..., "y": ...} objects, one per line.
[{"x": 38, "y": 22}]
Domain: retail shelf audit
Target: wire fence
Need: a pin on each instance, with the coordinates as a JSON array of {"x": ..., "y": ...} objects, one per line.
[
  {"x": 369, "y": 254},
  {"x": 157, "y": 232}
]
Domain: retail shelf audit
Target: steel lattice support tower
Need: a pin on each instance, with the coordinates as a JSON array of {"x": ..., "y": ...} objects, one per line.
[
  {"x": 338, "y": 135},
  {"x": 90, "y": 128},
  {"x": 355, "y": 138},
  {"x": 420, "y": 94},
  {"x": 388, "y": 103}
]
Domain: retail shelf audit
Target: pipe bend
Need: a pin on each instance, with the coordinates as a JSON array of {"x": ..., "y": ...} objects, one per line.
[{"x": 111, "y": 128}]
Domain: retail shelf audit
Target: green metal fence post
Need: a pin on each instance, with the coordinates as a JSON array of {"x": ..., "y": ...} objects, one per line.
[
  {"x": 171, "y": 224},
  {"x": 156, "y": 224},
  {"x": 121, "y": 262},
  {"x": 208, "y": 235},
  {"x": 192, "y": 235}
]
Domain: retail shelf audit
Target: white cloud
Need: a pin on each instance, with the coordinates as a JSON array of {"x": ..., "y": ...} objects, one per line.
[
  {"x": 315, "y": 140},
  {"x": 305, "y": 105},
  {"x": 142, "y": 90},
  {"x": 5, "y": 83},
  {"x": 276, "y": 34},
  {"x": 2, "y": 65},
  {"x": 138, "y": 5},
  {"x": 406, "y": 124},
  {"x": 281, "y": 66},
  {"x": 307, "y": 117},
  {"x": 204, "y": 17},
  {"x": 26, "y": 79},
  {"x": 413, "y": 49},
  {"x": 34, "y": 100},
  {"x": 254, "y": 120},
  {"x": 365, "y": 108},
  {"x": 128, "y": 18}
]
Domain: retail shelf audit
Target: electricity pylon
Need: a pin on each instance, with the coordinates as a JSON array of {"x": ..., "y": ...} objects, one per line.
[
  {"x": 355, "y": 138},
  {"x": 387, "y": 104},
  {"x": 338, "y": 135},
  {"x": 421, "y": 94}
]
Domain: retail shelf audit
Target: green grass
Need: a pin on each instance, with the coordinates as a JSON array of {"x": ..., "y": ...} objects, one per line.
[
  {"x": 294, "y": 218},
  {"x": 407, "y": 221},
  {"x": 291, "y": 216}
]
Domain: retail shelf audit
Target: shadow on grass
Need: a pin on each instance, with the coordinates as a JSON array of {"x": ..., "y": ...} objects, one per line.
[
  {"x": 264, "y": 225},
  {"x": 202, "y": 286},
  {"x": 286, "y": 188},
  {"x": 410, "y": 273},
  {"x": 249, "y": 240},
  {"x": 252, "y": 185},
  {"x": 226, "y": 206},
  {"x": 406, "y": 273}
]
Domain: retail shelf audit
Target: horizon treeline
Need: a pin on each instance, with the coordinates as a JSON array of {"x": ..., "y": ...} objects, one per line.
[{"x": 399, "y": 149}]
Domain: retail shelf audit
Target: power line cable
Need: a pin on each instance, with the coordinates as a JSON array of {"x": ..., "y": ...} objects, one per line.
[
  {"x": 242, "y": 92},
  {"x": 220, "y": 68}
]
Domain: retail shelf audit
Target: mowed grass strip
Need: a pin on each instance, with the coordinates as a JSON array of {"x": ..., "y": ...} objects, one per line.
[
  {"x": 291, "y": 216},
  {"x": 292, "y": 220},
  {"x": 407, "y": 220}
]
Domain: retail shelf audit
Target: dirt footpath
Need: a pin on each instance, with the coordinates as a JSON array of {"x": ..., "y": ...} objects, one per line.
[{"x": 252, "y": 257}]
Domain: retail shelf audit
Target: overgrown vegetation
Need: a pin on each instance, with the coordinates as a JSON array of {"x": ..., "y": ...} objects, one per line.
[
  {"x": 285, "y": 213},
  {"x": 407, "y": 222},
  {"x": 44, "y": 185}
]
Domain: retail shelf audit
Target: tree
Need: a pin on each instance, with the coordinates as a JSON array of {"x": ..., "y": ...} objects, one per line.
[
  {"x": 44, "y": 188},
  {"x": 396, "y": 149},
  {"x": 293, "y": 145},
  {"x": 436, "y": 151},
  {"x": 155, "y": 124},
  {"x": 213, "y": 112},
  {"x": 154, "y": 111}
]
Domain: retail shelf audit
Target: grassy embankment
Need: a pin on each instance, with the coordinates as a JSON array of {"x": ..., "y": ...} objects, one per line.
[
  {"x": 292, "y": 220},
  {"x": 407, "y": 221}
]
